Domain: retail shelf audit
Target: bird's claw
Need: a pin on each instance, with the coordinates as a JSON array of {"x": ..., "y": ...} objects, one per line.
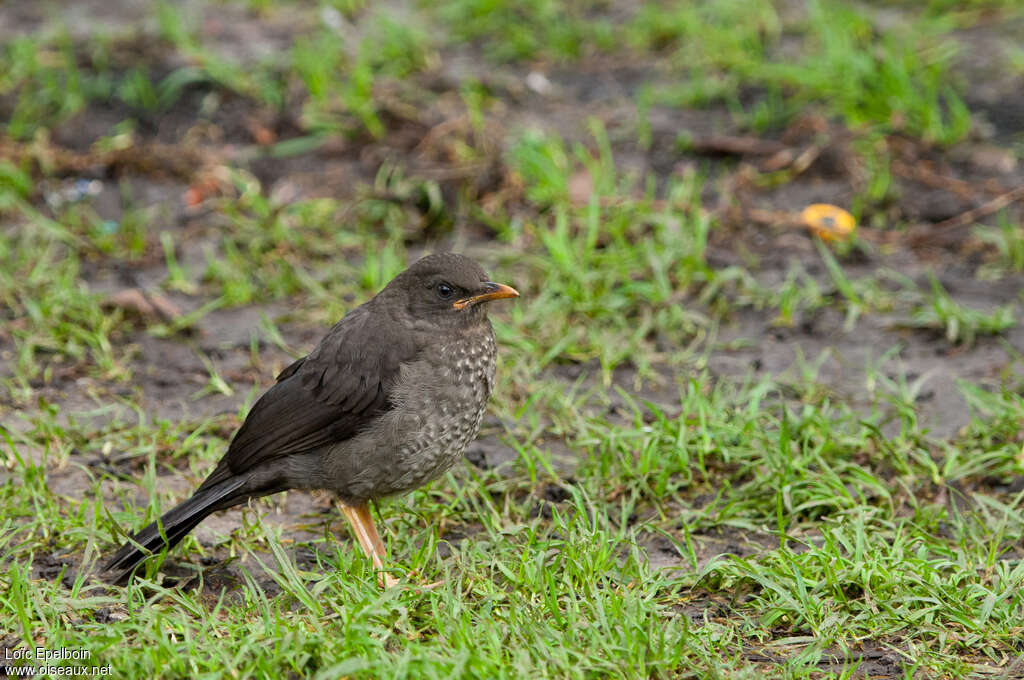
[{"x": 388, "y": 581}]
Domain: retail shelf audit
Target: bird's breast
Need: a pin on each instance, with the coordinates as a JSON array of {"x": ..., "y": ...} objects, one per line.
[{"x": 438, "y": 403}]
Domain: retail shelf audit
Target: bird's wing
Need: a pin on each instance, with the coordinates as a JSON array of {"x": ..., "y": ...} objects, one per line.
[{"x": 325, "y": 397}]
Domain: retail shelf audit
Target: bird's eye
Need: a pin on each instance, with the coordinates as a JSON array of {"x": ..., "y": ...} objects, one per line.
[{"x": 444, "y": 291}]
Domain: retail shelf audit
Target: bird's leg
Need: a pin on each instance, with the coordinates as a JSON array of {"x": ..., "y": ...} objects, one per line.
[{"x": 366, "y": 533}]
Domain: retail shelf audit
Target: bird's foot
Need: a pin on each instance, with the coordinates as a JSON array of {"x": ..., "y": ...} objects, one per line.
[
  {"x": 414, "y": 575},
  {"x": 386, "y": 580},
  {"x": 369, "y": 540}
]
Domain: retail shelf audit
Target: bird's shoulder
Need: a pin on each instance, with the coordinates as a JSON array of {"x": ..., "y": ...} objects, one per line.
[{"x": 360, "y": 355}]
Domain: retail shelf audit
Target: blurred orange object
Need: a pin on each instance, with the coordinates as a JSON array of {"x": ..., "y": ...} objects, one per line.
[
  {"x": 828, "y": 221},
  {"x": 192, "y": 197}
]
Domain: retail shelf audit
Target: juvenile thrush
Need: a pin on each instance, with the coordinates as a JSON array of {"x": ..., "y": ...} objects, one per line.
[{"x": 387, "y": 401}]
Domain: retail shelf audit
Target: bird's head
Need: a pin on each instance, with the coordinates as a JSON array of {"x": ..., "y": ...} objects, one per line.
[{"x": 446, "y": 290}]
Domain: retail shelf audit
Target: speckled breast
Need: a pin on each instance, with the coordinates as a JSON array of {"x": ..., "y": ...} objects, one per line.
[{"x": 447, "y": 406}]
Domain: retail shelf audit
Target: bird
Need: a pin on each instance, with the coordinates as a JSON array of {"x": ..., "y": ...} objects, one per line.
[{"x": 387, "y": 401}]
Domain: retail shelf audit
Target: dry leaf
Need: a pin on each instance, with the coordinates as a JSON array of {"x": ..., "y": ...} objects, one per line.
[
  {"x": 581, "y": 188},
  {"x": 147, "y": 306}
]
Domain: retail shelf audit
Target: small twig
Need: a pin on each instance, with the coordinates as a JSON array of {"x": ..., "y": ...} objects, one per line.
[
  {"x": 929, "y": 177},
  {"x": 152, "y": 158},
  {"x": 438, "y": 131},
  {"x": 738, "y": 146},
  {"x": 774, "y": 218},
  {"x": 972, "y": 215},
  {"x": 796, "y": 161}
]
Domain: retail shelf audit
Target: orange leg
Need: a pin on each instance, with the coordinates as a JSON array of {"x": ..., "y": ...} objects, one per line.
[{"x": 366, "y": 533}]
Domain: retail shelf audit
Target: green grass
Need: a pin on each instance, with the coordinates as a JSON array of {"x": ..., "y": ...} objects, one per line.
[
  {"x": 657, "y": 515},
  {"x": 54, "y": 313},
  {"x": 44, "y": 82},
  {"x": 862, "y": 553},
  {"x": 961, "y": 324}
]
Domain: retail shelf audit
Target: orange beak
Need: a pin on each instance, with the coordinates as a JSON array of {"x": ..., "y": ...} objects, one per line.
[{"x": 495, "y": 291}]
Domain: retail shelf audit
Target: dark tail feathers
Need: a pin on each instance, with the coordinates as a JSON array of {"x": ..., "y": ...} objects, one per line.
[{"x": 176, "y": 522}]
